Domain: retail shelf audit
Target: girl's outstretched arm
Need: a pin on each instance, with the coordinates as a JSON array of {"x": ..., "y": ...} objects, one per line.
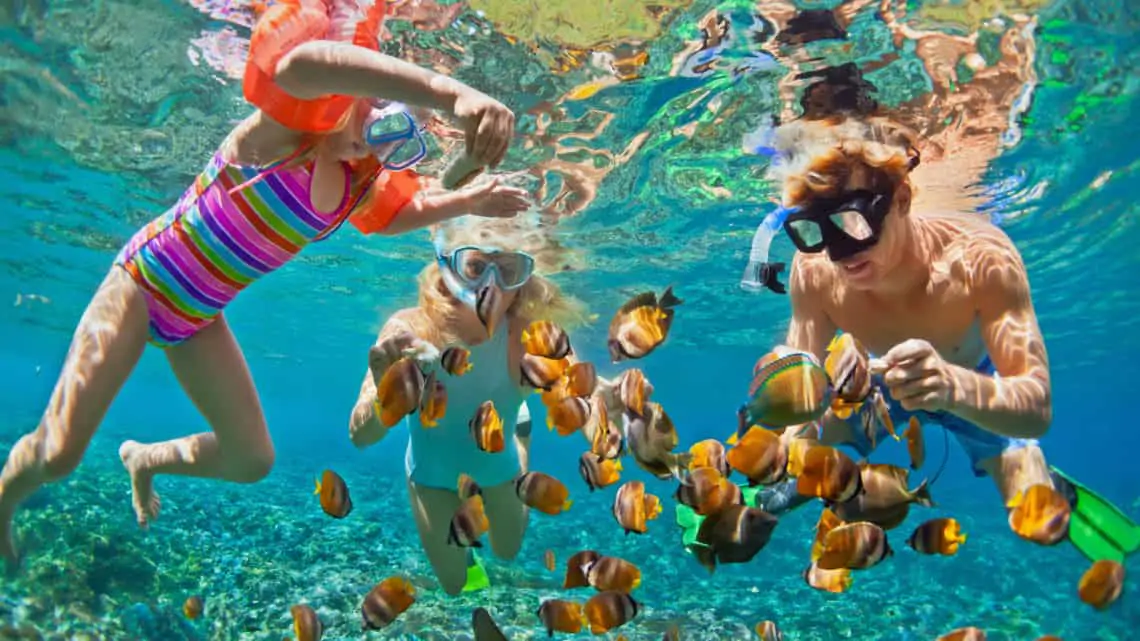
[
  {"x": 323, "y": 67},
  {"x": 397, "y": 335}
]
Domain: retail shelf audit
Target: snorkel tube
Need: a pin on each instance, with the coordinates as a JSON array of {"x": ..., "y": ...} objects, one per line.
[{"x": 759, "y": 274}]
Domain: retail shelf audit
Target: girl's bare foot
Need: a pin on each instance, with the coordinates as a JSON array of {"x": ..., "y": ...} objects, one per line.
[{"x": 143, "y": 497}]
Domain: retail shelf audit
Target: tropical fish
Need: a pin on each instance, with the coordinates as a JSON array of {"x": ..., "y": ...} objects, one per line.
[
  {"x": 575, "y": 573},
  {"x": 829, "y": 474},
  {"x": 707, "y": 491},
  {"x": 543, "y": 493},
  {"x": 581, "y": 379},
  {"x": 915, "y": 444},
  {"x": 759, "y": 456},
  {"x": 768, "y": 631},
  {"x": 192, "y": 607},
  {"x": 604, "y": 437},
  {"x": 568, "y": 416},
  {"x": 964, "y": 634},
  {"x": 733, "y": 535},
  {"x": 834, "y": 581},
  {"x": 633, "y": 507},
  {"x": 546, "y": 339},
  {"x": 855, "y": 546},
  {"x": 797, "y": 451},
  {"x": 1101, "y": 584},
  {"x": 333, "y": 491},
  {"x": 433, "y": 405},
  {"x": 540, "y": 372},
  {"x": 608, "y": 610},
  {"x": 385, "y": 602},
  {"x": 609, "y": 573},
  {"x": 455, "y": 360},
  {"x": 548, "y": 560},
  {"x": 937, "y": 536},
  {"x": 634, "y": 391},
  {"x": 307, "y": 625},
  {"x": 1039, "y": 514},
  {"x": 789, "y": 390},
  {"x": 848, "y": 367},
  {"x": 709, "y": 453},
  {"x": 467, "y": 487},
  {"x": 598, "y": 472},
  {"x": 558, "y": 392},
  {"x": 641, "y": 324},
  {"x": 399, "y": 391},
  {"x": 487, "y": 301},
  {"x": 487, "y": 428},
  {"x": 885, "y": 499},
  {"x": 651, "y": 440},
  {"x": 469, "y": 523},
  {"x": 560, "y": 615},
  {"x": 828, "y": 521},
  {"x": 484, "y": 626}
]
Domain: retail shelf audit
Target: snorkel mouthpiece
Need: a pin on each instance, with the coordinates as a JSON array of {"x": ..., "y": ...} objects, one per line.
[{"x": 759, "y": 274}]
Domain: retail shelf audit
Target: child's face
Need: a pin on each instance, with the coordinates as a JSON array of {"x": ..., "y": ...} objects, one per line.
[{"x": 347, "y": 142}]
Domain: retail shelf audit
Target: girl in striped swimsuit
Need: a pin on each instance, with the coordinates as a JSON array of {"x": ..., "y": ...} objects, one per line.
[{"x": 316, "y": 77}]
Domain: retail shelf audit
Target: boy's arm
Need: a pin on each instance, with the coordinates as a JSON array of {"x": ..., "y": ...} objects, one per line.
[
  {"x": 1018, "y": 404},
  {"x": 811, "y": 330}
]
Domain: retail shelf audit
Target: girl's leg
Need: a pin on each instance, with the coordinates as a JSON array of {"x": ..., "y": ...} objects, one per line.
[
  {"x": 508, "y": 517},
  {"x": 212, "y": 370},
  {"x": 106, "y": 346},
  {"x": 433, "y": 509}
]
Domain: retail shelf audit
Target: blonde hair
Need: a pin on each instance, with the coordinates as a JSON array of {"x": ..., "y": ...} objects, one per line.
[
  {"x": 538, "y": 299},
  {"x": 819, "y": 158}
]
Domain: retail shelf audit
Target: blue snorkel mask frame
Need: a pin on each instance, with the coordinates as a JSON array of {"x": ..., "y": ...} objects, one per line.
[
  {"x": 466, "y": 289},
  {"x": 401, "y": 128}
]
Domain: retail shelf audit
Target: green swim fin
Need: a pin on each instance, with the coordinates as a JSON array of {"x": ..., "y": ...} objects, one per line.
[
  {"x": 476, "y": 574},
  {"x": 690, "y": 521},
  {"x": 1099, "y": 529}
]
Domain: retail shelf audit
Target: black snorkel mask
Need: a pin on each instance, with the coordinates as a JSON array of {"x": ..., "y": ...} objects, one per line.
[{"x": 845, "y": 225}]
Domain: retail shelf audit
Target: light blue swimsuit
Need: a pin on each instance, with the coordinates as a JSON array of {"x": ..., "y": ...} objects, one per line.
[{"x": 436, "y": 456}]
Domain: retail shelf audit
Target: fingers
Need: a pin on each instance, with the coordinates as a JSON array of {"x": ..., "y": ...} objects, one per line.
[
  {"x": 924, "y": 401},
  {"x": 908, "y": 351}
]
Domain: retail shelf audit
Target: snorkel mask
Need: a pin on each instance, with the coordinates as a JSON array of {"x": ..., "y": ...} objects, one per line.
[
  {"x": 468, "y": 270},
  {"x": 845, "y": 225},
  {"x": 394, "y": 136}
]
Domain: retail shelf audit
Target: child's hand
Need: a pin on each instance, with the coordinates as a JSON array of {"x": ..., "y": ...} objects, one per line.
[
  {"x": 493, "y": 200},
  {"x": 395, "y": 347},
  {"x": 487, "y": 124}
]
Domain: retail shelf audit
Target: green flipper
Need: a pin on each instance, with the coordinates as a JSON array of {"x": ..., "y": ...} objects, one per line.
[
  {"x": 690, "y": 521},
  {"x": 1099, "y": 529},
  {"x": 476, "y": 574}
]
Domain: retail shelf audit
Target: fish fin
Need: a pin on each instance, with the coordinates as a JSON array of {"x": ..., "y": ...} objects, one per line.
[
  {"x": 389, "y": 416},
  {"x": 669, "y": 299},
  {"x": 318, "y": 483},
  {"x": 644, "y": 299},
  {"x": 1017, "y": 500},
  {"x": 732, "y": 440},
  {"x": 476, "y": 544},
  {"x": 525, "y": 336},
  {"x": 921, "y": 494},
  {"x": 617, "y": 465},
  {"x": 566, "y": 505}
]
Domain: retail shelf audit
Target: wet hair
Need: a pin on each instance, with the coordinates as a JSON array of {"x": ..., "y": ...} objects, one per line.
[
  {"x": 818, "y": 158},
  {"x": 539, "y": 299}
]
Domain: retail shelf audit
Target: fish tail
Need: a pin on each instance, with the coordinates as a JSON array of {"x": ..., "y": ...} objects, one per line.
[
  {"x": 617, "y": 465},
  {"x": 566, "y": 504},
  {"x": 732, "y": 439},
  {"x": 669, "y": 299},
  {"x": 922, "y": 494},
  {"x": 318, "y": 484},
  {"x": 961, "y": 538}
]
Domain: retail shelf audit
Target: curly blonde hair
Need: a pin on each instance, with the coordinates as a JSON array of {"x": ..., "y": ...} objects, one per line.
[
  {"x": 538, "y": 299},
  {"x": 819, "y": 158}
]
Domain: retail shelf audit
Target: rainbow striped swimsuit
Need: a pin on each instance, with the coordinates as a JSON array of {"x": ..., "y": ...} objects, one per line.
[{"x": 195, "y": 258}]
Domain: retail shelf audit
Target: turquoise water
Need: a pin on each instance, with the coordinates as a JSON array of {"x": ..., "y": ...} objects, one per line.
[{"x": 107, "y": 109}]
